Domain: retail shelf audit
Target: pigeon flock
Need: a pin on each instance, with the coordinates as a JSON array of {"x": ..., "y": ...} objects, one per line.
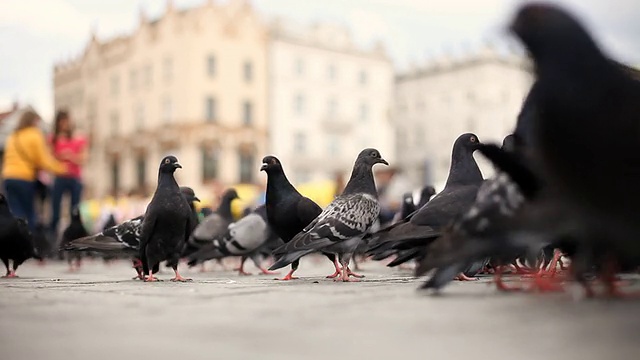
[{"x": 564, "y": 189}]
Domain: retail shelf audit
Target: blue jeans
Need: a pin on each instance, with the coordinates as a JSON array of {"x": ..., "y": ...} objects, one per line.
[
  {"x": 62, "y": 185},
  {"x": 21, "y": 199}
]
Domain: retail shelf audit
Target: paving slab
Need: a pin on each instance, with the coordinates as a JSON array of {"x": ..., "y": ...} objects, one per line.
[{"x": 99, "y": 313}]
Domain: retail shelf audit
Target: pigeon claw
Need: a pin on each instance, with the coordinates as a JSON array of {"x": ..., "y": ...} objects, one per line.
[
  {"x": 288, "y": 277},
  {"x": 10, "y": 275},
  {"x": 463, "y": 277}
]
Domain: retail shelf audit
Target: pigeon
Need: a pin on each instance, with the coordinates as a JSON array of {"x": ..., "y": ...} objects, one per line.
[
  {"x": 167, "y": 223},
  {"x": 342, "y": 225},
  {"x": 288, "y": 212},
  {"x": 75, "y": 230},
  {"x": 122, "y": 239},
  {"x": 409, "y": 238},
  {"x": 245, "y": 238},
  {"x": 582, "y": 141},
  {"x": 426, "y": 194},
  {"x": 215, "y": 224},
  {"x": 16, "y": 242},
  {"x": 497, "y": 198}
]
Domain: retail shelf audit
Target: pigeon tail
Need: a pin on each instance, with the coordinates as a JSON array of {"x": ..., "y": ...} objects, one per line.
[{"x": 287, "y": 259}]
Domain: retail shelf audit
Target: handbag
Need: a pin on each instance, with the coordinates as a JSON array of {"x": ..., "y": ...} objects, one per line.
[{"x": 41, "y": 189}]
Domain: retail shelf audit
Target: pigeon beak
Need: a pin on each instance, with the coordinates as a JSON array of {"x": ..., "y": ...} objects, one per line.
[
  {"x": 177, "y": 166},
  {"x": 263, "y": 167},
  {"x": 383, "y": 161},
  {"x": 195, "y": 198}
]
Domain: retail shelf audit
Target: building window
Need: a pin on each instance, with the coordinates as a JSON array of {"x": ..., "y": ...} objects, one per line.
[
  {"x": 363, "y": 78},
  {"x": 115, "y": 176},
  {"x": 167, "y": 110},
  {"x": 332, "y": 108},
  {"x": 247, "y": 113},
  {"x": 133, "y": 79},
  {"x": 211, "y": 66},
  {"x": 141, "y": 172},
  {"x": 114, "y": 120},
  {"x": 364, "y": 112},
  {"x": 167, "y": 69},
  {"x": 210, "y": 109},
  {"x": 115, "y": 85},
  {"x": 300, "y": 143},
  {"x": 209, "y": 163},
  {"x": 139, "y": 117},
  {"x": 299, "y": 67},
  {"x": 298, "y": 104},
  {"x": 246, "y": 168},
  {"x": 333, "y": 145},
  {"x": 248, "y": 71},
  {"x": 332, "y": 72},
  {"x": 148, "y": 75}
]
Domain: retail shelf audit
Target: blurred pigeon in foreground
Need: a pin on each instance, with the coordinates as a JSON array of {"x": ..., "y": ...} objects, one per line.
[{"x": 341, "y": 226}]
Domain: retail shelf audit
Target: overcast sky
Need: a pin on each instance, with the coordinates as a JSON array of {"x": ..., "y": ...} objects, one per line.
[{"x": 36, "y": 33}]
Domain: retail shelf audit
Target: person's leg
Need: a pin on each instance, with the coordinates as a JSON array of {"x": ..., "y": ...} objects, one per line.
[
  {"x": 76, "y": 194},
  {"x": 20, "y": 197},
  {"x": 56, "y": 201}
]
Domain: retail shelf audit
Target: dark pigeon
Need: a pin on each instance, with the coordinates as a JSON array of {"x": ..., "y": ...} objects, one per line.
[
  {"x": 497, "y": 200},
  {"x": 75, "y": 230},
  {"x": 426, "y": 194},
  {"x": 589, "y": 103},
  {"x": 409, "y": 238},
  {"x": 122, "y": 239},
  {"x": 288, "y": 212},
  {"x": 342, "y": 225},
  {"x": 16, "y": 242},
  {"x": 167, "y": 223},
  {"x": 245, "y": 237}
]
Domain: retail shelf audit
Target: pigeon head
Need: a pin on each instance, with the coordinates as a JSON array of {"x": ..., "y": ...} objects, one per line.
[
  {"x": 550, "y": 33},
  {"x": 427, "y": 192},
  {"x": 169, "y": 164},
  {"x": 370, "y": 157},
  {"x": 189, "y": 194},
  {"x": 270, "y": 163},
  {"x": 230, "y": 194},
  {"x": 509, "y": 143},
  {"x": 468, "y": 142}
]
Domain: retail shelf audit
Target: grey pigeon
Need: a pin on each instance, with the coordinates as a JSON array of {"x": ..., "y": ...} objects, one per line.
[
  {"x": 167, "y": 223},
  {"x": 16, "y": 241},
  {"x": 342, "y": 225},
  {"x": 215, "y": 224},
  {"x": 410, "y": 238},
  {"x": 244, "y": 237},
  {"x": 288, "y": 212}
]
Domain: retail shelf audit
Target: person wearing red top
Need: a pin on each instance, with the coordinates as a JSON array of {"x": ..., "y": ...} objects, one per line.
[{"x": 72, "y": 151}]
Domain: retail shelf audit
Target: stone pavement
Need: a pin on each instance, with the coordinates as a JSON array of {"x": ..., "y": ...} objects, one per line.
[{"x": 99, "y": 313}]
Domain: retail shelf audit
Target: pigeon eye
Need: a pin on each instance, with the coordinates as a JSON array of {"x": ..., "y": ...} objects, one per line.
[
  {"x": 473, "y": 139},
  {"x": 166, "y": 161},
  {"x": 374, "y": 154}
]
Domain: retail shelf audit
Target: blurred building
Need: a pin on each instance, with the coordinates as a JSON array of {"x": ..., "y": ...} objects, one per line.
[
  {"x": 328, "y": 100},
  {"x": 481, "y": 93},
  {"x": 192, "y": 83}
]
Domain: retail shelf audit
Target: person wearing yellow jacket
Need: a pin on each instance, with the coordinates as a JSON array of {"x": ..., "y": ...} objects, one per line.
[{"x": 26, "y": 152}]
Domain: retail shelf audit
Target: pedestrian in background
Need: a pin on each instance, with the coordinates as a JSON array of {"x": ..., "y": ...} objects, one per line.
[
  {"x": 72, "y": 150},
  {"x": 26, "y": 154}
]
